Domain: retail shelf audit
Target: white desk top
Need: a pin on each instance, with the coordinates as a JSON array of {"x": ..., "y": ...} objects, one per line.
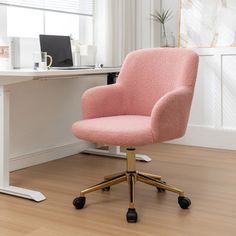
[{"x": 15, "y": 76}]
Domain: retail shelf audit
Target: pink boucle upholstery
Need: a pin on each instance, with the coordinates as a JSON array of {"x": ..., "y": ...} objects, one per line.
[
  {"x": 170, "y": 114},
  {"x": 149, "y": 103},
  {"x": 103, "y": 101},
  {"x": 126, "y": 130}
]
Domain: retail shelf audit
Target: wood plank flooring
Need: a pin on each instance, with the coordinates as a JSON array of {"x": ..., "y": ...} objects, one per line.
[{"x": 208, "y": 177}]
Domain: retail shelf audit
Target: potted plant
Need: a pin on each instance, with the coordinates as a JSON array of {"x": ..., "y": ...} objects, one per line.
[{"x": 163, "y": 17}]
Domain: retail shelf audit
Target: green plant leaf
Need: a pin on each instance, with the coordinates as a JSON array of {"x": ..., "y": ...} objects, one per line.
[{"x": 162, "y": 17}]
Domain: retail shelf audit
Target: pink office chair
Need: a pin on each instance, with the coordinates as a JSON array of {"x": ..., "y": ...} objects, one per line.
[{"x": 150, "y": 103}]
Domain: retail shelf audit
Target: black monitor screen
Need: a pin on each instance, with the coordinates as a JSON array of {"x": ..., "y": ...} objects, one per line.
[{"x": 59, "y": 47}]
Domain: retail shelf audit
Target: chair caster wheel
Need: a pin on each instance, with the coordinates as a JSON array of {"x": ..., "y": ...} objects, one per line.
[
  {"x": 79, "y": 202},
  {"x": 184, "y": 202},
  {"x": 132, "y": 215},
  {"x": 161, "y": 190},
  {"x": 106, "y": 189}
]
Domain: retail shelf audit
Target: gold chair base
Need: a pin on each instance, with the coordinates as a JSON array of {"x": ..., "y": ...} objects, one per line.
[
  {"x": 131, "y": 175},
  {"x": 135, "y": 176}
]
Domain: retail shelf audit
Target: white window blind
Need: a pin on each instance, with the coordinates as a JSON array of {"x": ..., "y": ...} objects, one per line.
[{"x": 79, "y": 7}]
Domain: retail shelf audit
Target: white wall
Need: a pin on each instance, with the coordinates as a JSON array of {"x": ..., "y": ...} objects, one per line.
[
  {"x": 41, "y": 115},
  {"x": 173, "y": 24},
  {"x": 147, "y": 31},
  {"x": 3, "y": 19},
  {"x": 213, "y": 115}
]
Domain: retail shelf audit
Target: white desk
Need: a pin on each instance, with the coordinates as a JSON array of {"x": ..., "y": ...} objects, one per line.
[{"x": 17, "y": 76}]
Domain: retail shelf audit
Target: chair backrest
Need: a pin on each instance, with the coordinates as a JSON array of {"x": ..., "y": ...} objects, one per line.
[{"x": 148, "y": 74}]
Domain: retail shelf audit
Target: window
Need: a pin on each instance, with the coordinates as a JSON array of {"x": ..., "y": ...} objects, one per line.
[
  {"x": 58, "y": 17},
  {"x": 62, "y": 24},
  {"x": 22, "y": 22}
]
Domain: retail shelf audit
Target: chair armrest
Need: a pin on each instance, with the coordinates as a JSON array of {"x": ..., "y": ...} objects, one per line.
[
  {"x": 103, "y": 101},
  {"x": 170, "y": 114}
]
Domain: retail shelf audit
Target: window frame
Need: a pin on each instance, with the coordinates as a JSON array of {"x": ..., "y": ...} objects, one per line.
[{"x": 91, "y": 40}]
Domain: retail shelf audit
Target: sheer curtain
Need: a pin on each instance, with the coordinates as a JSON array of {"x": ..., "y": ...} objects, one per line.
[
  {"x": 122, "y": 26},
  {"x": 114, "y": 30},
  {"x": 78, "y": 7}
]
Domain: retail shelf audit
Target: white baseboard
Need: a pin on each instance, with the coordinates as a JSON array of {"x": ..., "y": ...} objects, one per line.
[
  {"x": 208, "y": 137},
  {"x": 20, "y": 161},
  {"x": 195, "y": 136}
]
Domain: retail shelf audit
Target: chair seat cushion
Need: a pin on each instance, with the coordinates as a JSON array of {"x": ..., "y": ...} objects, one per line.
[{"x": 124, "y": 130}]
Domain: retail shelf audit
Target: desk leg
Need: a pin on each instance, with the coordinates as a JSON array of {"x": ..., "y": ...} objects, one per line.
[
  {"x": 111, "y": 78},
  {"x": 4, "y": 154},
  {"x": 114, "y": 151}
]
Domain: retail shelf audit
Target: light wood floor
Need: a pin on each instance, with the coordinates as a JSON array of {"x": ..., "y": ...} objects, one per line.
[{"x": 208, "y": 177}]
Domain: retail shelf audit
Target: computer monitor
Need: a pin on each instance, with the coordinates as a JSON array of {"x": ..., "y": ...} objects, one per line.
[{"x": 59, "y": 48}]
